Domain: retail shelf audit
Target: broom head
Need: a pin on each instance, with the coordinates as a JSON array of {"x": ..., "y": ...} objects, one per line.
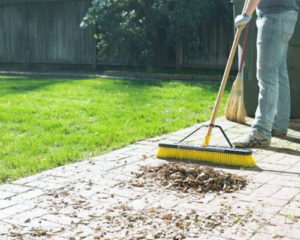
[
  {"x": 235, "y": 108},
  {"x": 213, "y": 154}
]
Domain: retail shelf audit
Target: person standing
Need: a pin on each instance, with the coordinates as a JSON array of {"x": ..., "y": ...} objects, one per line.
[{"x": 276, "y": 20}]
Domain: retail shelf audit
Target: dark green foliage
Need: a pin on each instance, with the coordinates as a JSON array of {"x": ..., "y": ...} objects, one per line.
[{"x": 146, "y": 28}]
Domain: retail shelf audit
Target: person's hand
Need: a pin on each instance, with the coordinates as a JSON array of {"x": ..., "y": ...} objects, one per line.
[{"x": 242, "y": 20}]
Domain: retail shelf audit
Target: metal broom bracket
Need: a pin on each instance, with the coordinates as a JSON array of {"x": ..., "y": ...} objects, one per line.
[
  {"x": 210, "y": 125},
  {"x": 224, "y": 134}
]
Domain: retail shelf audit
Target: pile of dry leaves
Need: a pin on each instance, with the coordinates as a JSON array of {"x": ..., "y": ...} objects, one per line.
[{"x": 189, "y": 177}]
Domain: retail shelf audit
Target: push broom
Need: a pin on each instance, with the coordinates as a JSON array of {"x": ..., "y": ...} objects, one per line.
[
  {"x": 214, "y": 154},
  {"x": 235, "y": 108}
]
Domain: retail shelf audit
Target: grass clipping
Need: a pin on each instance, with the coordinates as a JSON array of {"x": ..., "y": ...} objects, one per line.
[{"x": 190, "y": 178}]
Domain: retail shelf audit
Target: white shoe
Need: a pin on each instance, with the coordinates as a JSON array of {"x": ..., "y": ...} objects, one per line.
[{"x": 252, "y": 139}]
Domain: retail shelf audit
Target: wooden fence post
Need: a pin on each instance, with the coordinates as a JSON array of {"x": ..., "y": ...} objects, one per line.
[
  {"x": 26, "y": 40},
  {"x": 94, "y": 45},
  {"x": 179, "y": 56}
]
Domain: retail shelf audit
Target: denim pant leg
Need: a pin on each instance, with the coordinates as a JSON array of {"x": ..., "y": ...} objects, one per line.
[
  {"x": 272, "y": 42},
  {"x": 281, "y": 122}
]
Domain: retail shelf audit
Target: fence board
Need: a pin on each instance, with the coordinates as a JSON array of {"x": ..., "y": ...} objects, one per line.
[
  {"x": 51, "y": 30},
  {"x": 216, "y": 39},
  {"x": 12, "y": 20}
]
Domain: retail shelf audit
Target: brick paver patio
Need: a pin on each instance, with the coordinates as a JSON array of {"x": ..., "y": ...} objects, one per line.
[{"x": 67, "y": 202}]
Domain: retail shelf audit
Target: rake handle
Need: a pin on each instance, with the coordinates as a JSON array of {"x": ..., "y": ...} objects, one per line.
[{"x": 225, "y": 78}]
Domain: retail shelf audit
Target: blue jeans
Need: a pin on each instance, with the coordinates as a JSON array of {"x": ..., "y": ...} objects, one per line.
[{"x": 274, "y": 33}]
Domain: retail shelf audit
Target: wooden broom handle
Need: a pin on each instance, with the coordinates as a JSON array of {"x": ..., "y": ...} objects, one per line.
[
  {"x": 224, "y": 80},
  {"x": 225, "y": 77},
  {"x": 245, "y": 5}
]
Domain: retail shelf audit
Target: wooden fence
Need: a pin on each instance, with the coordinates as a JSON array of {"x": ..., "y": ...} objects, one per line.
[
  {"x": 47, "y": 31},
  {"x": 216, "y": 39},
  {"x": 35, "y": 31}
]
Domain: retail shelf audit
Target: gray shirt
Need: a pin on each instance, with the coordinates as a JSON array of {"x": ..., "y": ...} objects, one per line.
[{"x": 275, "y": 6}]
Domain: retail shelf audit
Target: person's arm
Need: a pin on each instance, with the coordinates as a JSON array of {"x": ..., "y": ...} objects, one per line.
[
  {"x": 246, "y": 16},
  {"x": 252, "y": 4}
]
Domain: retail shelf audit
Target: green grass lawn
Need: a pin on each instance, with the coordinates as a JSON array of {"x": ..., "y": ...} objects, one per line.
[{"x": 45, "y": 123}]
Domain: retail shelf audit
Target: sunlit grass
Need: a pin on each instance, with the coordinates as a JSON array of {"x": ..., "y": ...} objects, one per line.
[{"x": 46, "y": 123}]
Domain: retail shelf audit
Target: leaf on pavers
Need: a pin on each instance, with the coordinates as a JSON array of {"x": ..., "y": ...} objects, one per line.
[
  {"x": 150, "y": 237},
  {"x": 167, "y": 216},
  {"x": 151, "y": 210},
  {"x": 14, "y": 226},
  {"x": 179, "y": 196},
  {"x": 274, "y": 235},
  {"x": 98, "y": 228},
  {"x": 139, "y": 184},
  {"x": 64, "y": 193},
  {"x": 41, "y": 232},
  {"x": 27, "y": 220},
  {"x": 178, "y": 237}
]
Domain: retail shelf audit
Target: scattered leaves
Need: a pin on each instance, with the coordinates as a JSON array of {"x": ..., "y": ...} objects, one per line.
[
  {"x": 152, "y": 210},
  {"x": 98, "y": 228},
  {"x": 167, "y": 216},
  {"x": 274, "y": 235}
]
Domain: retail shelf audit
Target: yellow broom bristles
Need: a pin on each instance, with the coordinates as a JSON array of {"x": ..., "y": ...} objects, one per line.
[
  {"x": 206, "y": 156},
  {"x": 235, "y": 108}
]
